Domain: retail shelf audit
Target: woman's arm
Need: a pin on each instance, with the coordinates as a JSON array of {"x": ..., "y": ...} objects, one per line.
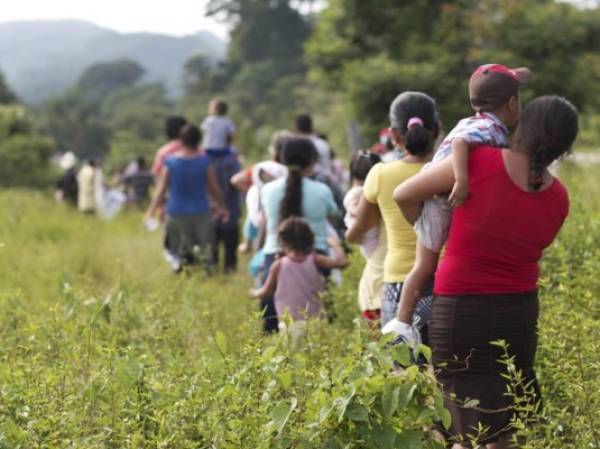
[
  {"x": 367, "y": 216},
  {"x": 434, "y": 180},
  {"x": 241, "y": 180},
  {"x": 262, "y": 230},
  {"x": 339, "y": 260},
  {"x": 216, "y": 195},
  {"x": 159, "y": 195},
  {"x": 268, "y": 288}
]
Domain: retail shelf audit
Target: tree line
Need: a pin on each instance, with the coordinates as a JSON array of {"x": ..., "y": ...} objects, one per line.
[{"x": 342, "y": 63}]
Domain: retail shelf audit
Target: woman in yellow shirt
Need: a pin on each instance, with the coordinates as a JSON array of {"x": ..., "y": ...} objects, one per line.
[{"x": 415, "y": 127}]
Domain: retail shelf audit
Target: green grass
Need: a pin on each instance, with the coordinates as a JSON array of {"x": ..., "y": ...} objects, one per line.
[{"x": 102, "y": 347}]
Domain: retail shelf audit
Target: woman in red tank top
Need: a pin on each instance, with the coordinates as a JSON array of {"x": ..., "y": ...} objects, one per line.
[{"x": 486, "y": 283}]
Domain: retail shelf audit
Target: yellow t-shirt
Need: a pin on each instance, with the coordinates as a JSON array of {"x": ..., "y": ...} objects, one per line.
[{"x": 401, "y": 238}]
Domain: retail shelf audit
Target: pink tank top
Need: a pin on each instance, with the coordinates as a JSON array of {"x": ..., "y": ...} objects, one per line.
[{"x": 299, "y": 284}]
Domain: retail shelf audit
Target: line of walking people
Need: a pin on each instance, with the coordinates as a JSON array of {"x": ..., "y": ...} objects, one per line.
[{"x": 452, "y": 236}]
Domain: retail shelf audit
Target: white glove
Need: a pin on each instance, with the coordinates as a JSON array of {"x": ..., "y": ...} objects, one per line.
[{"x": 403, "y": 332}]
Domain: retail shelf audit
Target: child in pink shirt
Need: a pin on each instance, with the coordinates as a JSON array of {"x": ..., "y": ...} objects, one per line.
[{"x": 295, "y": 278}]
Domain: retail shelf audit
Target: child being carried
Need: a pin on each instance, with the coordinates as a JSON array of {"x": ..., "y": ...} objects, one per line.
[
  {"x": 217, "y": 129},
  {"x": 494, "y": 95}
]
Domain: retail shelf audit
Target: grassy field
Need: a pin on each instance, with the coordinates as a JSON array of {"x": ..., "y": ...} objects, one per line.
[{"x": 102, "y": 347}]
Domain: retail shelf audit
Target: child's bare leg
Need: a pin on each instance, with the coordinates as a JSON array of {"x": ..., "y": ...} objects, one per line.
[{"x": 422, "y": 271}]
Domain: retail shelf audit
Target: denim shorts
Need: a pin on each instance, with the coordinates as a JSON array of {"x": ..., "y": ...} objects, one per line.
[
  {"x": 250, "y": 231},
  {"x": 391, "y": 298},
  {"x": 389, "y": 301}
]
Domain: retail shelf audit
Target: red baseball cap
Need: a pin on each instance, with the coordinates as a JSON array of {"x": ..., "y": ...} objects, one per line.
[{"x": 492, "y": 85}]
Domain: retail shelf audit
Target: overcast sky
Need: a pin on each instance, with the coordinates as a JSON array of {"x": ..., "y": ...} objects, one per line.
[{"x": 176, "y": 17}]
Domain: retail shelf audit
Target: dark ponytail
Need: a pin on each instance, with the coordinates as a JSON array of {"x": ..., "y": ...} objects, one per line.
[
  {"x": 291, "y": 205},
  {"x": 298, "y": 154},
  {"x": 547, "y": 129},
  {"x": 418, "y": 141},
  {"x": 414, "y": 116}
]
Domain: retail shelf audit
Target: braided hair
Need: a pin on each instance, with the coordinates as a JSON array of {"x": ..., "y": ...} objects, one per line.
[
  {"x": 546, "y": 131},
  {"x": 537, "y": 166}
]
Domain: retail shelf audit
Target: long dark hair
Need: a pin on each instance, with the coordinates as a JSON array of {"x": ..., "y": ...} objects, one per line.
[
  {"x": 547, "y": 129},
  {"x": 298, "y": 154},
  {"x": 420, "y": 135}
]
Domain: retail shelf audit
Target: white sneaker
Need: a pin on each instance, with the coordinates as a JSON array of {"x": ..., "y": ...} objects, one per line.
[
  {"x": 405, "y": 333},
  {"x": 173, "y": 261}
]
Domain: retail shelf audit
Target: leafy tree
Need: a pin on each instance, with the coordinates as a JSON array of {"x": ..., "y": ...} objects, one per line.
[
  {"x": 370, "y": 51},
  {"x": 14, "y": 120},
  {"x": 24, "y": 161},
  {"x": 266, "y": 51},
  {"x": 135, "y": 116},
  {"x": 86, "y": 125},
  {"x": 106, "y": 77},
  {"x": 139, "y": 109},
  {"x": 73, "y": 122},
  {"x": 264, "y": 30},
  {"x": 196, "y": 69},
  {"x": 201, "y": 77},
  {"x": 24, "y": 156},
  {"x": 557, "y": 40},
  {"x": 126, "y": 146},
  {"x": 6, "y": 95},
  {"x": 197, "y": 65}
]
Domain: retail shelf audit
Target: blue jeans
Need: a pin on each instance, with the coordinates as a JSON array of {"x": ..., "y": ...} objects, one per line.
[
  {"x": 250, "y": 231},
  {"x": 225, "y": 164},
  {"x": 391, "y": 299},
  {"x": 267, "y": 305}
]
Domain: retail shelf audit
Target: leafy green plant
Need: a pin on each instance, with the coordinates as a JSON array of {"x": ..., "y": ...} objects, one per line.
[{"x": 102, "y": 347}]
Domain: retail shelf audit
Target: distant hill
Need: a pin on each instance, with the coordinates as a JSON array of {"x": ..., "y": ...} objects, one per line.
[{"x": 42, "y": 58}]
